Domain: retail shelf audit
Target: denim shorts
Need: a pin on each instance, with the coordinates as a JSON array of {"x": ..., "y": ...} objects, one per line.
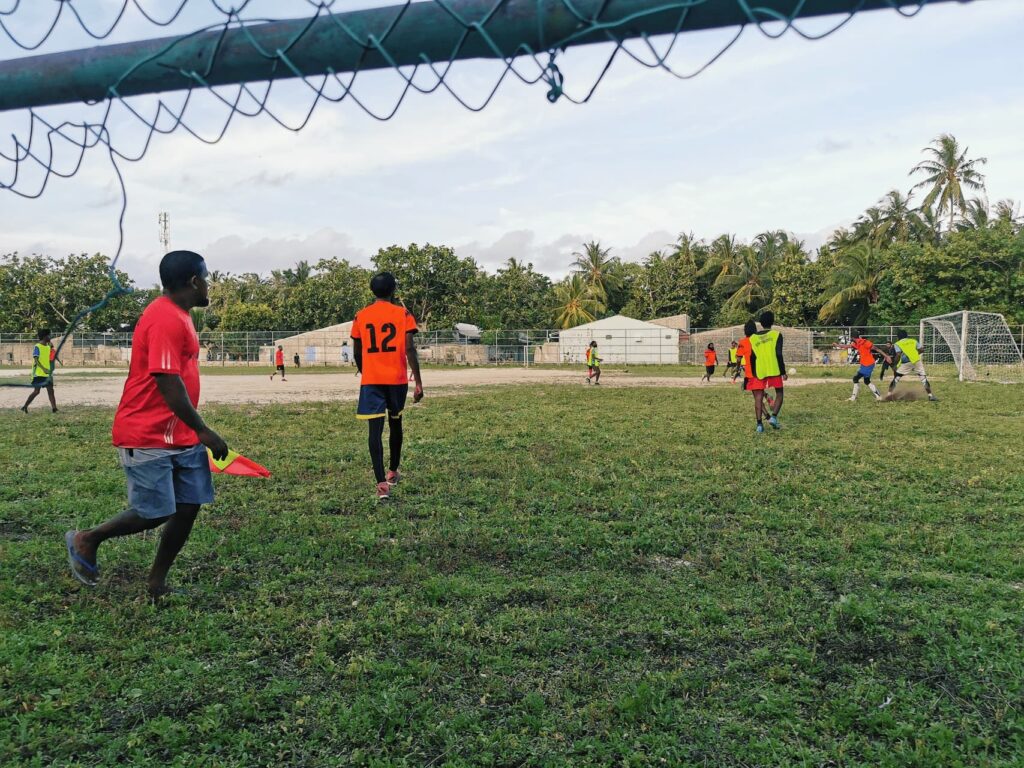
[{"x": 160, "y": 479}]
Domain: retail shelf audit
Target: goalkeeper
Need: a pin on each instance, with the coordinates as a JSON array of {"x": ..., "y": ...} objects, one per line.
[{"x": 909, "y": 361}]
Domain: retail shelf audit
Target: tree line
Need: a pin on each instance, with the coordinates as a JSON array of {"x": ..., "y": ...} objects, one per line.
[{"x": 903, "y": 259}]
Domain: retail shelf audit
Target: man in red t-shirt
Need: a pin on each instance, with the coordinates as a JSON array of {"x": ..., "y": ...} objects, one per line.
[
  {"x": 383, "y": 338},
  {"x": 159, "y": 436}
]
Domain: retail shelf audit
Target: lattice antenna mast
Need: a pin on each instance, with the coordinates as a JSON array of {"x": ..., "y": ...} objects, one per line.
[{"x": 164, "y": 220}]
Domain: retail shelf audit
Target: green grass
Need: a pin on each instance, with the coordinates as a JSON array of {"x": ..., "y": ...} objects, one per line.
[{"x": 570, "y": 576}]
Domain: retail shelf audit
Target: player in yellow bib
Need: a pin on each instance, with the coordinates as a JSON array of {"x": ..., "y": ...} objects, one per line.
[
  {"x": 593, "y": 364},
  {"x": 908, "y": 361},
  {"x": 43, "y": 359}
]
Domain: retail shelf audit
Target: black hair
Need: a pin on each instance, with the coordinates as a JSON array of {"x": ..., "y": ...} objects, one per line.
[
  {"x": 856, "y": 333},
  {"x": 711, "y": 345},
  {"x": 383, "y": 285},
  {"x": 900, "y": 333},
  {"x": 593, "y": 343},
  {"x": 767, "y": 319},
  {"x": 43, "y": 333},
  {"x": 749, "y": 328},
  {"x": 177, "y": 268}
]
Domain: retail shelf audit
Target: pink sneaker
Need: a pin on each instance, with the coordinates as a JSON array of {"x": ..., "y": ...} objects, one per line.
[
  {"x": 383, "y": 491},
  {"x": 393, "y": 477}
]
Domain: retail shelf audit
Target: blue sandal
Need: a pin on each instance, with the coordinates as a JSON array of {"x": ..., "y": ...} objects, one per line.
[{"x": 82, "y": 570}]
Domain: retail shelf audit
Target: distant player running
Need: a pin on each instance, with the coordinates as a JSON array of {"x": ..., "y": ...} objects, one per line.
[
  {"x": 384, "y": 346},
  {"x": 279, "y": 363},
  {"x": 593, "y": 365},
  {"x": 866, "y": 353},
  {"x": 734, "y": 362},
  {"x": 909, "y": 362},
  {"x": 769, "y": 369},
  {"x": 43, "y": 358},
  {"x": 710, "y": 361}
]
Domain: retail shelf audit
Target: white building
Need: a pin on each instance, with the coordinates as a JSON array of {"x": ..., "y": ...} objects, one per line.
[{"x": 620, "y": 339}]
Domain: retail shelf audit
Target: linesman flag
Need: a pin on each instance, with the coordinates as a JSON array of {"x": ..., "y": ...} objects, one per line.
[{"x": 236, "y": 464}]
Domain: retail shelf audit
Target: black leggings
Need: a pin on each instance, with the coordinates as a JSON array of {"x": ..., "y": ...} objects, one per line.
[
  {"x": 857, "y": 377},
  {"x": 376, "y": 443}
]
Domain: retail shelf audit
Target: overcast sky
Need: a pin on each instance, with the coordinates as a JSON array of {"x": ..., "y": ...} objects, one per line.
[{"x": 784, "y": 133}]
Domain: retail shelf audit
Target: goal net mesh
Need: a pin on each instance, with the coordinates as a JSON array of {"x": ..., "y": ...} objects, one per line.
[{"x": 979, "y": 345}]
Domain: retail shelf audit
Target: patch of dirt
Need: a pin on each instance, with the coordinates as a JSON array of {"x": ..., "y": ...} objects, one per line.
[{"x": 343, "y": 387}]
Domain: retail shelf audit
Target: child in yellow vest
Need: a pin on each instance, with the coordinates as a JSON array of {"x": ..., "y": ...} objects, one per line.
[
  {"x": 43, "y": 358},
  {"x": 593, "y": 364}
]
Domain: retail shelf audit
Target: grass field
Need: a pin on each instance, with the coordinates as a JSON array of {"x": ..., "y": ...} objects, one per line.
[{"x": 569, "y": 576}]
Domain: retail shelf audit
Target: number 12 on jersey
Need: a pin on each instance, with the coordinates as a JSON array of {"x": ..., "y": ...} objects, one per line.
[{"x": 387, "y": 332}]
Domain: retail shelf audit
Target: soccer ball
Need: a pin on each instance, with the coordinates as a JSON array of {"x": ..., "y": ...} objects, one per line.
[{"x": 792, "y": 371}]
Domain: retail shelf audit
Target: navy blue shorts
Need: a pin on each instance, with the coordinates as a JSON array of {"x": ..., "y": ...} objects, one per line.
[
  {"x": 376, "y": 400},
  {"x": 41, "y": 381},
  {"x": 866, "y": 371},
  {"x": 159, "y": 479}
]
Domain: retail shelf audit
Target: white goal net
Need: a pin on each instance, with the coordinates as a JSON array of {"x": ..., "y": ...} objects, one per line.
[{"x": 979, "y": 345}]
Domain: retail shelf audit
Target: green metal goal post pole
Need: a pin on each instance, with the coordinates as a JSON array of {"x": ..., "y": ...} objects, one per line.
[{"x": 379, "y": 38}]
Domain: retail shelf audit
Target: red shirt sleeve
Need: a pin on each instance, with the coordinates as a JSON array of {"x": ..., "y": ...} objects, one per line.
[
  {"x": 356, "y": 334},
  {"x": 166, "y": 345},
  {"x": 410, "y": 322}
]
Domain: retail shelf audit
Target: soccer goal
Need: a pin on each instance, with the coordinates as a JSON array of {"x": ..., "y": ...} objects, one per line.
[{"x": 979, "y": 344}]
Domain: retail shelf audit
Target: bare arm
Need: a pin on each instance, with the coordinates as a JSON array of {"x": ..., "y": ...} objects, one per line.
[
  {"x": 357, "y": 353},
  {"x": 414, "y": 363},
  {"x": 173, "y": 391}
]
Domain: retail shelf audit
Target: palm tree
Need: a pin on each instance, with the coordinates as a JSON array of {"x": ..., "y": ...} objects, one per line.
[
  {"x": 868, "y": 226},
  {"x": 976, "y": 214},
  {"x": 1008, "y": 211},
  {"x": 899, "y": 222},
  {"x": 574, "y": 303},
  {"x": 839, "y": 239},
  {"x": 747, "y": 279},
  {"x": 948, "y": 173},
  {"x": 931, "y": 225},
  {"x": 854, "y": 284},
  {"x": 598, "y": 270},
  {"x": 724, "y": 251}
]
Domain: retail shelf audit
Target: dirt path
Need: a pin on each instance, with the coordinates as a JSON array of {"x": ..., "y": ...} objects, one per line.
[{"x": 81, "y": 389}]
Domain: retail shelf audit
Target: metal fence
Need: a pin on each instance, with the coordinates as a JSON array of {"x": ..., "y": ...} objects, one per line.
[{"x": 626, "y": 346}]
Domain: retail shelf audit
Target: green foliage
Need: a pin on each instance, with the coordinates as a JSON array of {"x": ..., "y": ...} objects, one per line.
[
  {"x": 896, "y": 264},
  {"x": 665, "y": 285},
  {"x": 853, "y": 284},
  {"x": 331, "y": 295},
  {"x": 42, "y": 292},
  {"x": 438, "y": 287},
  {"x": 516, "y": 297},
  {"x": 574, "y": 303},
  {"x": 533, "y": 597},
  {"x": 247, "y": 317},
  {"x": 980, "y": 269},
  {"x": 796, "y": 288}
]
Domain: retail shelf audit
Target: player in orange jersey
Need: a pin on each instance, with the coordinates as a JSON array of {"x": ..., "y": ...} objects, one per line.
[
  {"x": 383, "y": 339},
  {"x": 279, "y": 363},
  {"x": 866, "y": 351},
  {"x": 710, "y": 361}
]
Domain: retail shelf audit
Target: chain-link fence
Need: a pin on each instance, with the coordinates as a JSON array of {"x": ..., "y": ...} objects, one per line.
[{"x": 646, "y": 344}]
